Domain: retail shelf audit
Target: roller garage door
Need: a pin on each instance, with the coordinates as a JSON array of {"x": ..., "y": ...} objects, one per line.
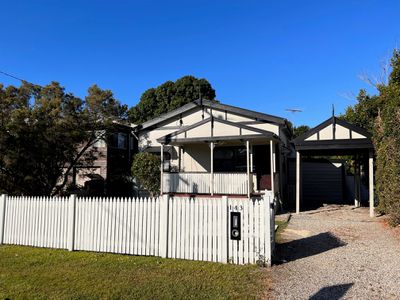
[{"x": 323, "y": 182}]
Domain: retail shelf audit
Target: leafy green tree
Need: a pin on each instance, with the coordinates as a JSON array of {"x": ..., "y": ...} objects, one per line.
[
  {"x": 380, "y": 114},
  {"x": 169, "y": 96},
  {"x": 146, "y": 170},
  {"x": 97, "y": 121},
  {"x": 300, "y": 130},
  {"x": 364, "y": 113},
  {"x": 45, "y": 132}
]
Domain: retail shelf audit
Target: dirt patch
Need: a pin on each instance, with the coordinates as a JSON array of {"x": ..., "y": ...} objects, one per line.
[{"x": 395, "y": 231}]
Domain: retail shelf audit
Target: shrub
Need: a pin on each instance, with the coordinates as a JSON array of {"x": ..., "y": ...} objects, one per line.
[
  {"x": 146, "y": 170},
  {"x": 387, "y": 144},
  {"x": 381, "y": 114}
]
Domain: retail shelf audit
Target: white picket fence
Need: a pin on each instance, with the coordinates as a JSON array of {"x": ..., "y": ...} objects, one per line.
[{"x": 194, "y": 228}]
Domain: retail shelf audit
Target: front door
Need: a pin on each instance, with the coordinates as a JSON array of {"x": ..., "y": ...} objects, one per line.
[{"x": 262, "y": 166}]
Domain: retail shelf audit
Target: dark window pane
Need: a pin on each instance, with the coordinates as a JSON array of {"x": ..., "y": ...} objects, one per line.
[
  {"x": 230, "y": 159},
  {"x": 122, "y": 140}
]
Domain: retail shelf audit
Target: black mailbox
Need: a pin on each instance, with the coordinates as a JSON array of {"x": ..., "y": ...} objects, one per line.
[{"x": 235, "y": 226}]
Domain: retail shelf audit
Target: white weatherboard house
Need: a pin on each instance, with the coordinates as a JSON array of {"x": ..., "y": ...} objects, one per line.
[{"x": 208, "y": 148}]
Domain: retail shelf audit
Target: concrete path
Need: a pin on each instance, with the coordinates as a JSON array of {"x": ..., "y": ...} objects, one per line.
[{"x": 337, "y": 252}]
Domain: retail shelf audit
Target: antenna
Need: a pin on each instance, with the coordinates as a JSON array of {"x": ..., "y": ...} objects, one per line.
[{"x": 333, "y": 110}]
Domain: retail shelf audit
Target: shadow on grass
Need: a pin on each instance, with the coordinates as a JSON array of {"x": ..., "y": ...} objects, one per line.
[
  {"x": 334, "y": 292},
  {"x": 306, "y": 247}
]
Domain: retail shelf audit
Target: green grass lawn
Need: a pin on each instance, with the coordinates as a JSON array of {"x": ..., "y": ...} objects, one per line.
[{"x": 34, "y": 273}]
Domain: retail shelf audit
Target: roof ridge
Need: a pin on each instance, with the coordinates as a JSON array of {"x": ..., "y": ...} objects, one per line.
[{"x": 217, "y": 105}]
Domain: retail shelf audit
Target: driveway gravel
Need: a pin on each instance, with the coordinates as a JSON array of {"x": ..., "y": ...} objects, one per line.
[{"x": 337, "y": 252}]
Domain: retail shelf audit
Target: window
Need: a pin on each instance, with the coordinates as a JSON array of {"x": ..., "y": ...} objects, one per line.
[
  {"x": 230, "y": 159},
  {"x": 122, "y": 140},
  {"x": 167, "y": 162},
  {"x": 119, "y": 140}
]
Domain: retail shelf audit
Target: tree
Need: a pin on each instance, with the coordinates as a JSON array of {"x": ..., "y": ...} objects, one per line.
[
  {"x": 45, "y": 132},
  {"x": 380, "y": 114},
  {"x": 146, "y": 170},
  {"x": 387, "y": 143},
  {"x": 169, "y": 96},
  {"x": 300, "y": 130},
  {"x": 97, "y": 122},
  {"x": 364, "y": 112}
]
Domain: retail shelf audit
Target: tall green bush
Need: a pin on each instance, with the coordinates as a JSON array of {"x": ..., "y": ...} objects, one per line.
[
  {"x": 387, "y": 144},
  {"x": 380, "y": 114},
  {"x": 146, "y": 170}
]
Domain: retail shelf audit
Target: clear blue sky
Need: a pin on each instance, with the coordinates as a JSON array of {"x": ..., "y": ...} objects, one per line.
[{"x": 261, "y": 55}]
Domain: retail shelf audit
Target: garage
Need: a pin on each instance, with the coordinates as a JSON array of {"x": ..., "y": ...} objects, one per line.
[{"x": 321, "y": 168}]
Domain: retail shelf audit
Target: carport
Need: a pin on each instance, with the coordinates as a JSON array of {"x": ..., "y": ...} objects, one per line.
[{"x": 336, "y": 137}]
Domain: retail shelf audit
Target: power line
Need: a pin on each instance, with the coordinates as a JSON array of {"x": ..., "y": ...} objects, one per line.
[{"x": 12, "y": 76}]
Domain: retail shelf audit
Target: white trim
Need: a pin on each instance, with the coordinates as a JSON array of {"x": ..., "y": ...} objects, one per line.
[
  {"x": 298, "y": 158},
  {"x": 371, "y": 184},
  {"x": 162, "y": 168},
  {"x": 212, "y": 168},
  {"x": 273, "y": 166},
  {"x": 248, "y": 168}
]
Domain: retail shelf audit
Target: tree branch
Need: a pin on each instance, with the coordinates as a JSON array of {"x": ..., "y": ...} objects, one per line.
[{"x": 58, "y": 188}]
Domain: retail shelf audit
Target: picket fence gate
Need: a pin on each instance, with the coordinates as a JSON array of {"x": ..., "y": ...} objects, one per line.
[{"x": 195, "y": 228}]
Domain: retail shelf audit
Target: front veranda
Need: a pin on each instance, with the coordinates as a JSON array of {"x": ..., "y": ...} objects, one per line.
[{"x": 221, "y": 166}]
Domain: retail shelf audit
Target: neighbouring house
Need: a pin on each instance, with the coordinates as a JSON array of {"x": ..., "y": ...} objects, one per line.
[
  {"x": 110, "y": 172},
  {"x": 209, "y": 148}
]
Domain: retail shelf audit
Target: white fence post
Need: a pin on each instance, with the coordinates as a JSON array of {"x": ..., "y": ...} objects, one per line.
[
  {"x": 3, "y": 200},
  {"x": 268, "y": 200},
  {"x": 71, "y": 222},
  {"x": 187, "y": 228},
  {"x": 273, "y": 208},
  {"x": 225, "y": 229},
  {"x": 164, "y": 203}
]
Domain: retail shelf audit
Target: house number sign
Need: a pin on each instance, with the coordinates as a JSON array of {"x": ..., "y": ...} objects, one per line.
[{"x": 236, "y": 207}]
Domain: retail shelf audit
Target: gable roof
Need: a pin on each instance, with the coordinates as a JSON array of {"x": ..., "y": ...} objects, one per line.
[
  {"x": 334, "y": 133},
  {"x": 244, "y": 132},
  {"x": 211, "y": 104}
]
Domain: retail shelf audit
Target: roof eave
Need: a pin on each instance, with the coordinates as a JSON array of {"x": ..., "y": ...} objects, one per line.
[{"x": 207, "y": 103}]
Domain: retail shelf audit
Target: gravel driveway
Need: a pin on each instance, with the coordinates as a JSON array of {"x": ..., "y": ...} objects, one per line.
[{"x": 337, "y": 252}]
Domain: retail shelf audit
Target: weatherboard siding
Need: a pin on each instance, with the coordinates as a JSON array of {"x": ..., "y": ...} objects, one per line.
[
  {"x": 196, "y": 158},
  {"x": 149, "y": 138}
]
